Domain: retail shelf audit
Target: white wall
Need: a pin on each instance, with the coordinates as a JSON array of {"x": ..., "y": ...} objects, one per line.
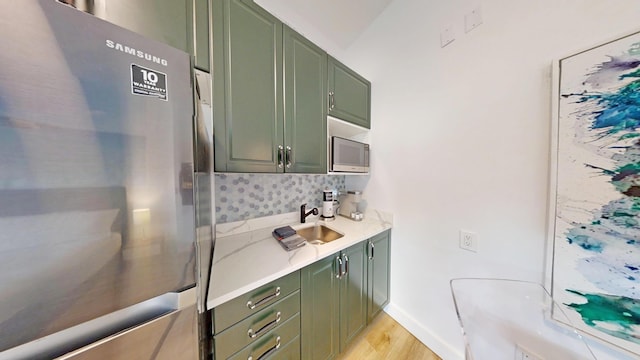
[{"x": 460, "y": 140}]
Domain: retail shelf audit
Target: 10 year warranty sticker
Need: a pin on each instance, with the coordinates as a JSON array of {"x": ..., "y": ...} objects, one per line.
[{"x": 148, "y": 82}]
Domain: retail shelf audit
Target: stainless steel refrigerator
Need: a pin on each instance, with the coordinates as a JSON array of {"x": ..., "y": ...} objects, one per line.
[{"x": 99, "y": 257}]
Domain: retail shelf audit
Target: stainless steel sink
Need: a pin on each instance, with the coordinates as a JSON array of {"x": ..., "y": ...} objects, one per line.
[{"x": 319, "y": 234}]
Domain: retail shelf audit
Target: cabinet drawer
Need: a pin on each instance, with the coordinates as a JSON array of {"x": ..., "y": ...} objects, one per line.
[
  {"x": 291, "y": 351},
  {"x": 280, "y": 343},
  {"x": 252, "y": 302},
  {"x": 256, "y": 326}
]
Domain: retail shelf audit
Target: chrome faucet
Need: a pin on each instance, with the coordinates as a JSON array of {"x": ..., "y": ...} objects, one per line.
[{"x": 304, "y": 214}]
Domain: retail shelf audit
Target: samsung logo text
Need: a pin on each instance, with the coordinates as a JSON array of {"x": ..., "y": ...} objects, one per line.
[{"x": 134, "y": 52}]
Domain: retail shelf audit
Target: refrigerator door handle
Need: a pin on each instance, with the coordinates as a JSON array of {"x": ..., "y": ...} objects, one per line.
[
  {"x": 185, "y": 298},
  {"x": 100, "y": 329}
]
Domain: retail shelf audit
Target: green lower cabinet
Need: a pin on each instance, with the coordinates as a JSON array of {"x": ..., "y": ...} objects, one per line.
[
  {"x": 290, "y": 351},
  {"x": 280, "y": 343},
  {"x": 353, "y": 294},
  {"x": 261, "y": 324},
  {"x": 319, "y": 308},
  {"x": 313, "y": 314},
  {"x": 378, "y": 267},
  {"x": 255, "y": 327},
  {"x": 333, "y": 303}
]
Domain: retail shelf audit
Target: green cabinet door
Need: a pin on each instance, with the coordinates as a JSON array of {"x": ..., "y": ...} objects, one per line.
[
  {"x": 333, "y": 302},
  {"x": 271, "y": 109},
  {"x": 162, "y": 20},
  {"x": 183, "y": 24},
  {"x": 349, "y": 95},
  {"x": 305, "y": 116},
  {"x": 378, "y": 258},
  {"x": 353, "y": 294},
  {"x": 199, "y": 29},
  {"x": 248, "y": 118},
  {"x": 319, "y": 309}
]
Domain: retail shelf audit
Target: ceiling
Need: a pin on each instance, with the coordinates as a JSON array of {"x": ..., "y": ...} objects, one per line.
[{"x": 336, "y": 21}]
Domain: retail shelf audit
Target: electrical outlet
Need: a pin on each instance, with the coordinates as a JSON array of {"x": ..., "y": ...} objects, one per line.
[
  {"x": 472, "y": 19},
  {"x": 524, "y": 354},
  {"x": 469, "y": 240},
  {"x": 446, "y": 35}
]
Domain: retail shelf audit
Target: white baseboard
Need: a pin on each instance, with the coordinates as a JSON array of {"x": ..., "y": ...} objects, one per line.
[{"x": 432, "y": 341}]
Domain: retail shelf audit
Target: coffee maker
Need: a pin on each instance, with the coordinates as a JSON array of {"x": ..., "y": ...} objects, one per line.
[
  {"x": 349, "y": 205},
  {"x": 328, "y": 201}
]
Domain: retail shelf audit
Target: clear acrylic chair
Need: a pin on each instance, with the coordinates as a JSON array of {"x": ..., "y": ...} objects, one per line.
[{"x": 512, "y": 319}]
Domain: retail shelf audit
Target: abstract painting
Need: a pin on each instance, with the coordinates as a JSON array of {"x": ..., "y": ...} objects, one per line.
[{"x": 596, "y": 191}]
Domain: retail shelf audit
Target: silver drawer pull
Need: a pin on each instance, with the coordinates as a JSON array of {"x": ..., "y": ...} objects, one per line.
[
  {"x": 265, "y": 300},
  {"x": 266, "y": 327},
  {"x": 268, "y": 352}
]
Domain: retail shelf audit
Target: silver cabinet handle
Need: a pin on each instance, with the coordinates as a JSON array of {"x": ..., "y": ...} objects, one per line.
[
  {"x": 371, "y": 251},
  {"x": 280, "y": 156},
  {"x": 266, "y": 327},
  {"x": 332, "y": 100},
  {"x": 339, "y": 262},
  {"x": 288, "y": 156},
  {"x": 264, "y": 300},
  {"x": 346, "y": 265},
  {"x": 268, "y": 352}
]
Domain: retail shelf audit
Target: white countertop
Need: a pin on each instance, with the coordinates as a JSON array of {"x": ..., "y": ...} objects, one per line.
[{"x": 246, "y": 256}]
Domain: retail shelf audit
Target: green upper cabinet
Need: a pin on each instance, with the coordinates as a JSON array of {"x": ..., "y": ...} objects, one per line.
[
  {"x": 305, "y": 116},
  {"x": 270, "y": 111},
  {"x": 200, "y": 42},
  {"x": 183, "y": 24},
  {"x": 349, "y": 95},
  {"x": 166, "y": 21},
  {"x": 378, "y": 267},
  {"x": 248, "y": 115}
]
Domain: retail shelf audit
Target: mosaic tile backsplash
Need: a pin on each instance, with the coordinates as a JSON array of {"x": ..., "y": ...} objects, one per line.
[{"x": 247, "y": 196}]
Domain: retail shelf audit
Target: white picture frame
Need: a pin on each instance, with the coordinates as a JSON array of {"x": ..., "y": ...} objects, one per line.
[{"x": 589, "y": 151}]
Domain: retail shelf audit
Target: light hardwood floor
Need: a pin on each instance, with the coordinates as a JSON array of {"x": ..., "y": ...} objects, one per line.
[{"x": 384, "y": 338}]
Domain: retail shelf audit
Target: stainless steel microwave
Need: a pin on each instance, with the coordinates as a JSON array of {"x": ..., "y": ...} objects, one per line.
[{"x": 349, "y": 156}]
